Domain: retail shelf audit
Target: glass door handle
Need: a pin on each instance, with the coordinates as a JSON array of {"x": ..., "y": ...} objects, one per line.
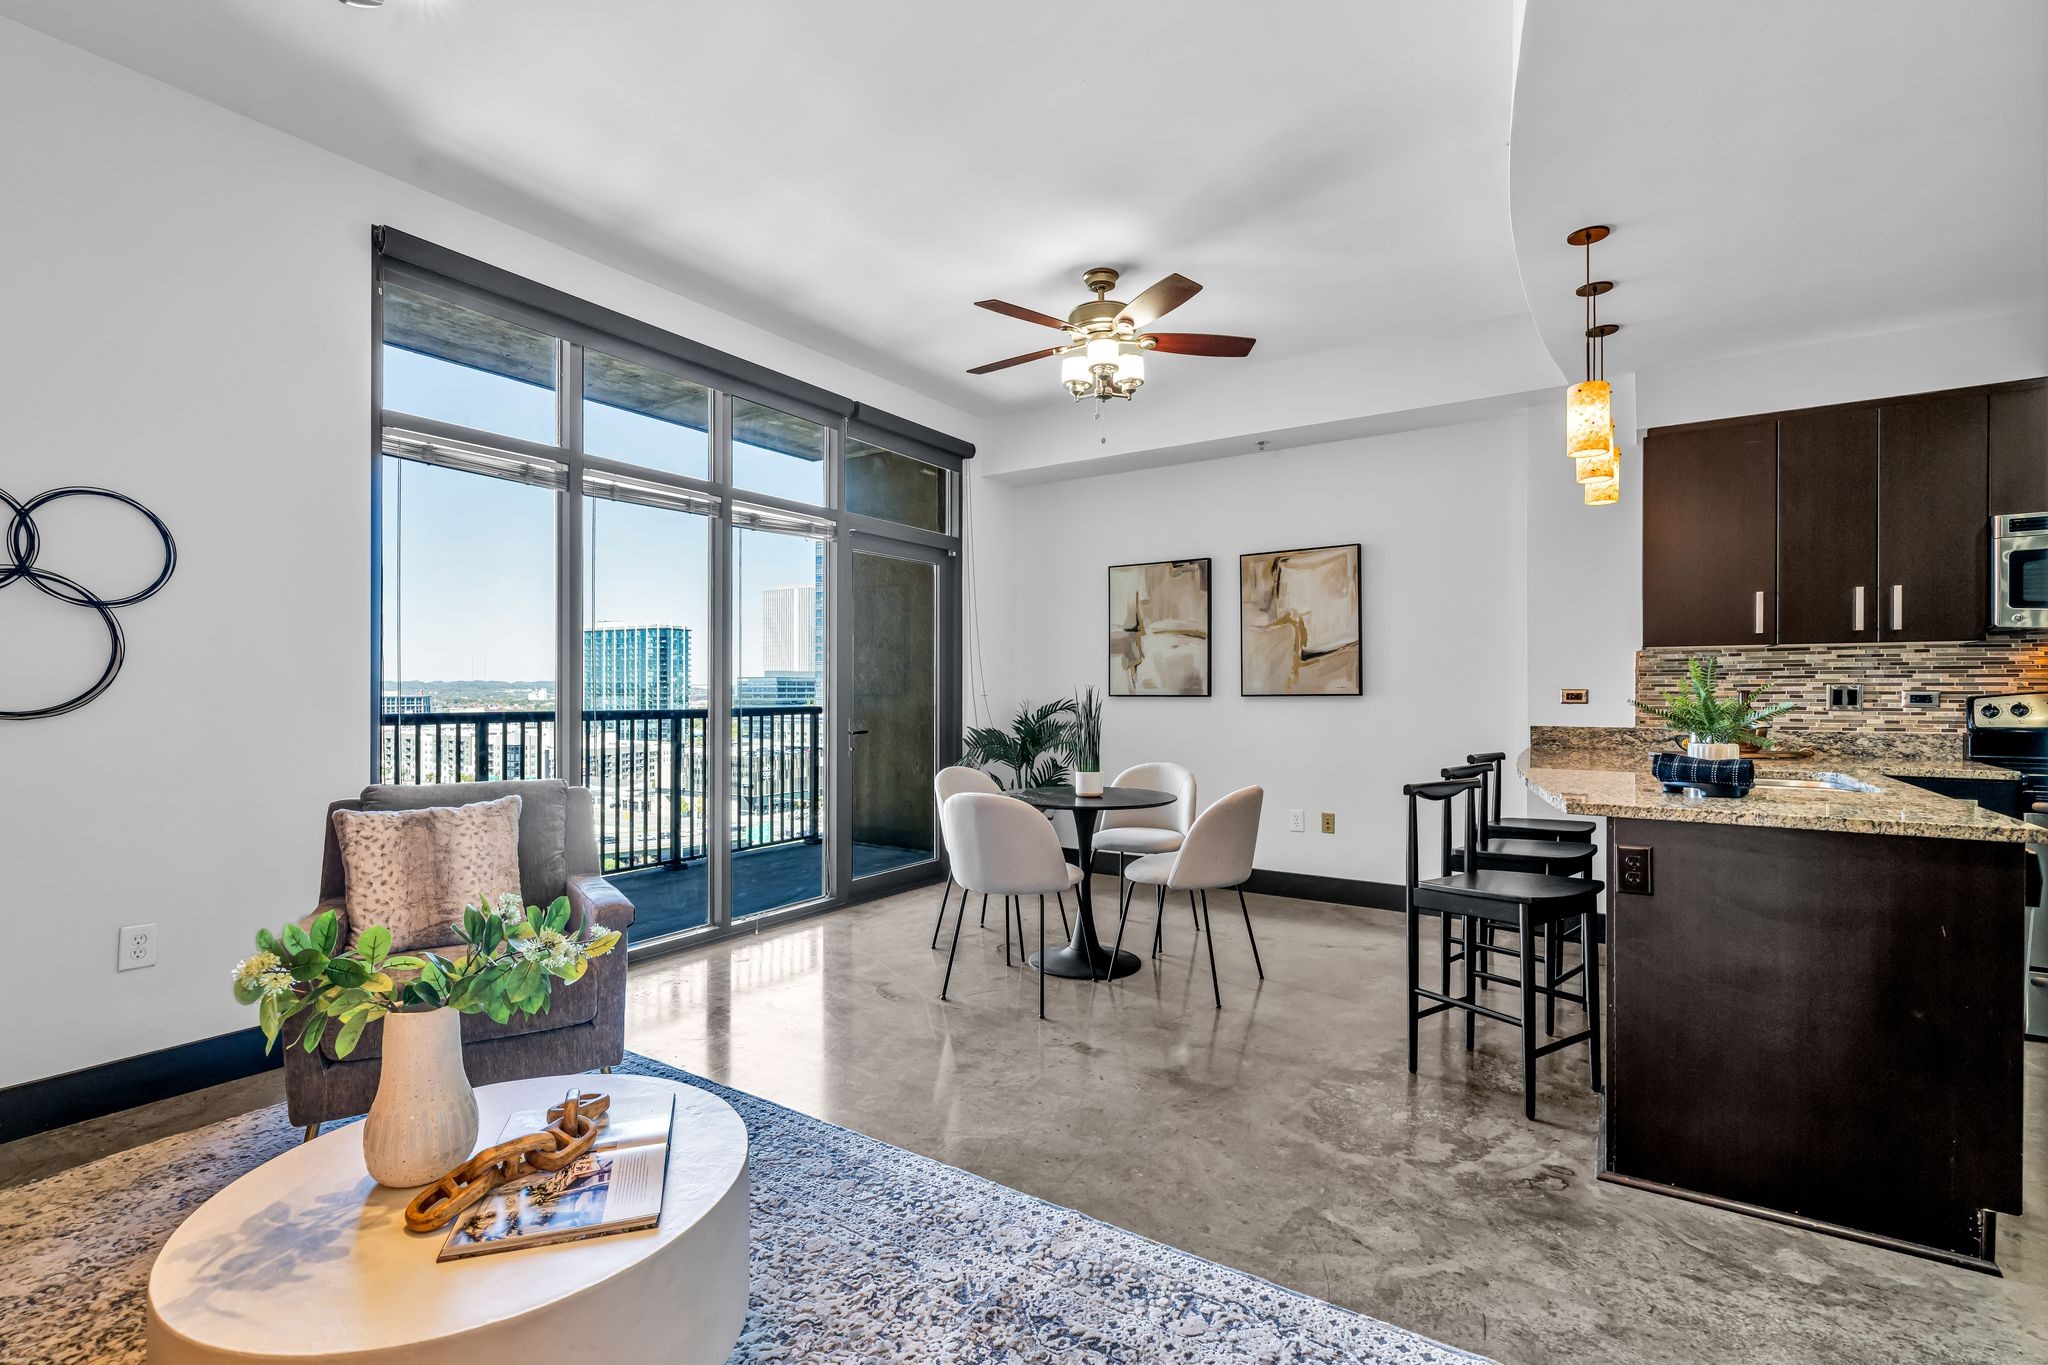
[{"x": 856, "y": 730}]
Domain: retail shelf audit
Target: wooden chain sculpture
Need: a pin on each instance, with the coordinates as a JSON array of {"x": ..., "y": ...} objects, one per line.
[{"x": 572, "y": 1129}]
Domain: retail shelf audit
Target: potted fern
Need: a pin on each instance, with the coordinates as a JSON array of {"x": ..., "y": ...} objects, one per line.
[
  {"x": 1085, "y": 743},
  {"x": 1715, "y": 727}
]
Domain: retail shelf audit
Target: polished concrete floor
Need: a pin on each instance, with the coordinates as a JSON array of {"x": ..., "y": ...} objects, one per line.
[{"x": 1282, "y": 1135}]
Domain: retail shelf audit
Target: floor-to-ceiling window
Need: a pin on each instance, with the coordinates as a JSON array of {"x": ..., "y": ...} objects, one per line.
[{"x": 677, "y": 551}]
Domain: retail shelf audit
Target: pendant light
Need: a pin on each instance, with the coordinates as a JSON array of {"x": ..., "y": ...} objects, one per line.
[{"x": 1589, "y": 405}]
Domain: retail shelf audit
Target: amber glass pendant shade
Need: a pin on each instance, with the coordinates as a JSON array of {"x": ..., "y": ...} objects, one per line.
[
  {"x": 1603, "y": 492},
  {"x": 1593, "y": 467},
  {"x": 1588, "y": 419}
]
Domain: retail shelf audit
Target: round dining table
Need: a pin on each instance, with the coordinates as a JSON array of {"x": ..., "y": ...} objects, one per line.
[{"x": 1084, "y": 958}]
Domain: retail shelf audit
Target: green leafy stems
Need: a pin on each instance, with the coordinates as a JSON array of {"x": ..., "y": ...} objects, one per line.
[
  {"x": 1034, "y": 748},
  {"x": 1085, "y": 742},
  {"x": 508, "y": 961},
  {"x": 1710, "y": 719}
]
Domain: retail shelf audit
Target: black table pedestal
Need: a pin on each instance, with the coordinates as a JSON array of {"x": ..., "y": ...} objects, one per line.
[{"x": 1084, "y": 958}]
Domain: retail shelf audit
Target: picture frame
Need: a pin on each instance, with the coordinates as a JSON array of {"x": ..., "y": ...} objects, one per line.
[
  {"x": 1301, "y": 622},
  {"x": 1161, "y": 638}
]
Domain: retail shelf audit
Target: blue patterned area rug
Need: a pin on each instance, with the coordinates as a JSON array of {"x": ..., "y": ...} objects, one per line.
[{"x": 862, "y": 1252}]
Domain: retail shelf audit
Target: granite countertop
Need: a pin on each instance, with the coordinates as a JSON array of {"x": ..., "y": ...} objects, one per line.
[{"x": 1607, "y": 772}]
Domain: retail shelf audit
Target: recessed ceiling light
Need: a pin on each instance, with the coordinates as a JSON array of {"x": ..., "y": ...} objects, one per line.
[{"x": 363, "y": 4}]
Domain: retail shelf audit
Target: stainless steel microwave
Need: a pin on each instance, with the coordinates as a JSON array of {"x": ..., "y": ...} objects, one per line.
[{"x": 2019, "y": 571}]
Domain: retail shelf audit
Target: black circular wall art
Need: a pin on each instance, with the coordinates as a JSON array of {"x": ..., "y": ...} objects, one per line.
[{"x": 25, "y": 542}]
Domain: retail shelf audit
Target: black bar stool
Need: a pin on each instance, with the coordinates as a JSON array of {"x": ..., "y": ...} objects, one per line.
[
  {"x": 1526, "y": 846},
  {"x": 1524, "y": 901},
  {"x": 1520, "y": 827}
]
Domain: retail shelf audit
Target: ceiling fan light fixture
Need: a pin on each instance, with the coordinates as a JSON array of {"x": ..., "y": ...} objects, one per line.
[{"x": 1074, "y": 371}]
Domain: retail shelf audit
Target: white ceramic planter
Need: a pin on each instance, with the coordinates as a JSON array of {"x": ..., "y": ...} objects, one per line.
[
  {"x": 423, "y": 1122},
  {"x": 1695, "y": 749},
  {"x": 1087, "y": 784}
]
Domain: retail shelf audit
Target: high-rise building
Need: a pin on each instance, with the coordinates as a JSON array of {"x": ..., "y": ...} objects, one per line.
[
  {"x": 778, "y": 688},
  {"x": 408, "y": 703},
  {"x": 788, "y": 625},
  {"x": 636, "y": 667},
  {"x": 818, "y": 606}
]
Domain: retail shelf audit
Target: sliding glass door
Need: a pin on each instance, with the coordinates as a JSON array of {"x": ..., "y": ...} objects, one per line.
[{"x": 894, "y": 605}]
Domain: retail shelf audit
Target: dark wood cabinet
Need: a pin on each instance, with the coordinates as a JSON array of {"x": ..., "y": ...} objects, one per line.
[
  {"x": 1827, "y": 526},
  {"x": 1933, "y": 518},
  {"x": 2018, "y": 445},
  {"x": 1710, "y": 529},
  {"x": 1857, "y": 522}
]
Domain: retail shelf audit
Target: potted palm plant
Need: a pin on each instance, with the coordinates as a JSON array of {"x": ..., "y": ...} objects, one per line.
[
  {"x": 1085, "y": 743},
  {"x": 1715, "y": 727},
  {"x": 1032, "y": 748}
]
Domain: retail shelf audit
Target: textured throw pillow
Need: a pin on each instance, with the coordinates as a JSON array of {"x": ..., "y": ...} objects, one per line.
[
  {"x": 413, "y": 870},
  {"x": 477, "y": 848}
]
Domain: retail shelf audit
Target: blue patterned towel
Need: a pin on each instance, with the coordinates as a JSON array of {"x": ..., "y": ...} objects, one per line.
[{"x": 1714, "y": 776}]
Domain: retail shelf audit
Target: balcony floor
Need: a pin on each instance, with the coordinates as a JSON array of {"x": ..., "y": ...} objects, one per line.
[{"x": 668, "y": 900}]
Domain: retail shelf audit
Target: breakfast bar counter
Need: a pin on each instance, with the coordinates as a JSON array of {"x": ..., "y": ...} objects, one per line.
[{"x": 1814, "y": 1011}]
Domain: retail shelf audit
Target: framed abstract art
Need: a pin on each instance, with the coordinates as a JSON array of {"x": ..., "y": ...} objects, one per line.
[
  {"x": 1159, "y": 629},
  {"x": 1301, "y": 623}
]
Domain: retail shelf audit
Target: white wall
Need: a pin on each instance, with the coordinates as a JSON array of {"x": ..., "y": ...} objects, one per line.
[
  {"x": 1585, "y": 575},
  {"x": 1440, "y": 514},
  {"x": 188, "y": 322},
  {"x": 1850, "y": 370}
]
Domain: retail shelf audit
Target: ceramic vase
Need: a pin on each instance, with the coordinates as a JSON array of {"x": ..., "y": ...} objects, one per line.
[
  {"x": 1087, "y": 784},
  {"x": 1696, "y": 748},
  {"x": 423, "y": 1122}
]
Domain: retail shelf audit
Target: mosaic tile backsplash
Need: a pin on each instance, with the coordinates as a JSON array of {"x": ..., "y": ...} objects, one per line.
[{"x": 1884, "y": 724}]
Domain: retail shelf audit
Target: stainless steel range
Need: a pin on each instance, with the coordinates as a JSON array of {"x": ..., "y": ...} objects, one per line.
[{"x": 2011, "y": 731}]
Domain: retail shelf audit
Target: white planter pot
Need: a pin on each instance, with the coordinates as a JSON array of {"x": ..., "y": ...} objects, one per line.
[
  {"x": 1087, "y": 784},
  {"x": 1695, "y": 749},
  {"x": 423, "y": 1122}
]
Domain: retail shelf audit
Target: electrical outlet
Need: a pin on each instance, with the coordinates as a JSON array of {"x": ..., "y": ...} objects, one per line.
[
  {"x": 1295, "y": 823},
  {"x": 1329, "y": 822},
  {"x": 1634, "y": 870},
  {"x": 137, "y": 947},
  {"x": 1574, "y": 696}
]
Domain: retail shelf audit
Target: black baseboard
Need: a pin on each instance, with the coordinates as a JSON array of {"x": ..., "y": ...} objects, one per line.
[
  {"x": 38, "y": 1106},
  {"x": 1305, "y": 886}
]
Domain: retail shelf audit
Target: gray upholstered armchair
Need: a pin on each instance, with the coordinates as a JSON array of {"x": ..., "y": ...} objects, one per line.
[{"x": 586, "y": 1026}]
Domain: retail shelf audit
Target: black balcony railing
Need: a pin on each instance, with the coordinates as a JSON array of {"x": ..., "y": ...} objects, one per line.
[{"x": 645, "y": 771}]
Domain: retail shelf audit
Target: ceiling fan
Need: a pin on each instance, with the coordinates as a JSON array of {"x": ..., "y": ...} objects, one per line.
[{"x": 1104, "y": 354}]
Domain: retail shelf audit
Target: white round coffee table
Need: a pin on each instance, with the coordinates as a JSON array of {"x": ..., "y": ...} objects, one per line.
[{"x": 306, "y": 1258}]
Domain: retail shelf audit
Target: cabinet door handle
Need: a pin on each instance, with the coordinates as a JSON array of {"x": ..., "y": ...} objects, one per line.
[
  {"x": 1759, "y": 611},
  {"x": 1859, "y": 608},
  {"x": 1898, "y": 606}
]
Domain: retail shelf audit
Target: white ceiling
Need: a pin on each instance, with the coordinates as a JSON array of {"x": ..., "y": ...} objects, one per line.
[
  {"x": 854, "y": 176},
  {"x": 1780, "y": 174}
]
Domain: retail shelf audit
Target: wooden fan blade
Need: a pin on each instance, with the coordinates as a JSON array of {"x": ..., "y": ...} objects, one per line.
[
  {"x": 1021, "y": 313},
  {"x": 1201, "y": 343},
  {"x": 1161, "y": 299},
  {"x": 1016, "y": 360}
]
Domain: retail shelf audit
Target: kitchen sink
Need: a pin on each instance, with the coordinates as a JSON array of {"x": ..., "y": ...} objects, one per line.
[{"x": 1813, "y": 784}]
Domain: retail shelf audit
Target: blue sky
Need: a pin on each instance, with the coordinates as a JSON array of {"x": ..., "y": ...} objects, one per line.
[{"x": 478, "y": 554}]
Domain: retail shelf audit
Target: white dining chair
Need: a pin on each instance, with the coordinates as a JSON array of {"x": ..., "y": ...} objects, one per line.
[
  {"x": 1216, "y": 856},
  {"x": 1155, "y": 829},
  {"x": 947, "y": 782},
  {"x": 1002, "y": 847}
]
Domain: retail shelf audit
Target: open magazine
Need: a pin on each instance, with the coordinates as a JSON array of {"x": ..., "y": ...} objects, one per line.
[{"x": 614, "y": 1187}]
